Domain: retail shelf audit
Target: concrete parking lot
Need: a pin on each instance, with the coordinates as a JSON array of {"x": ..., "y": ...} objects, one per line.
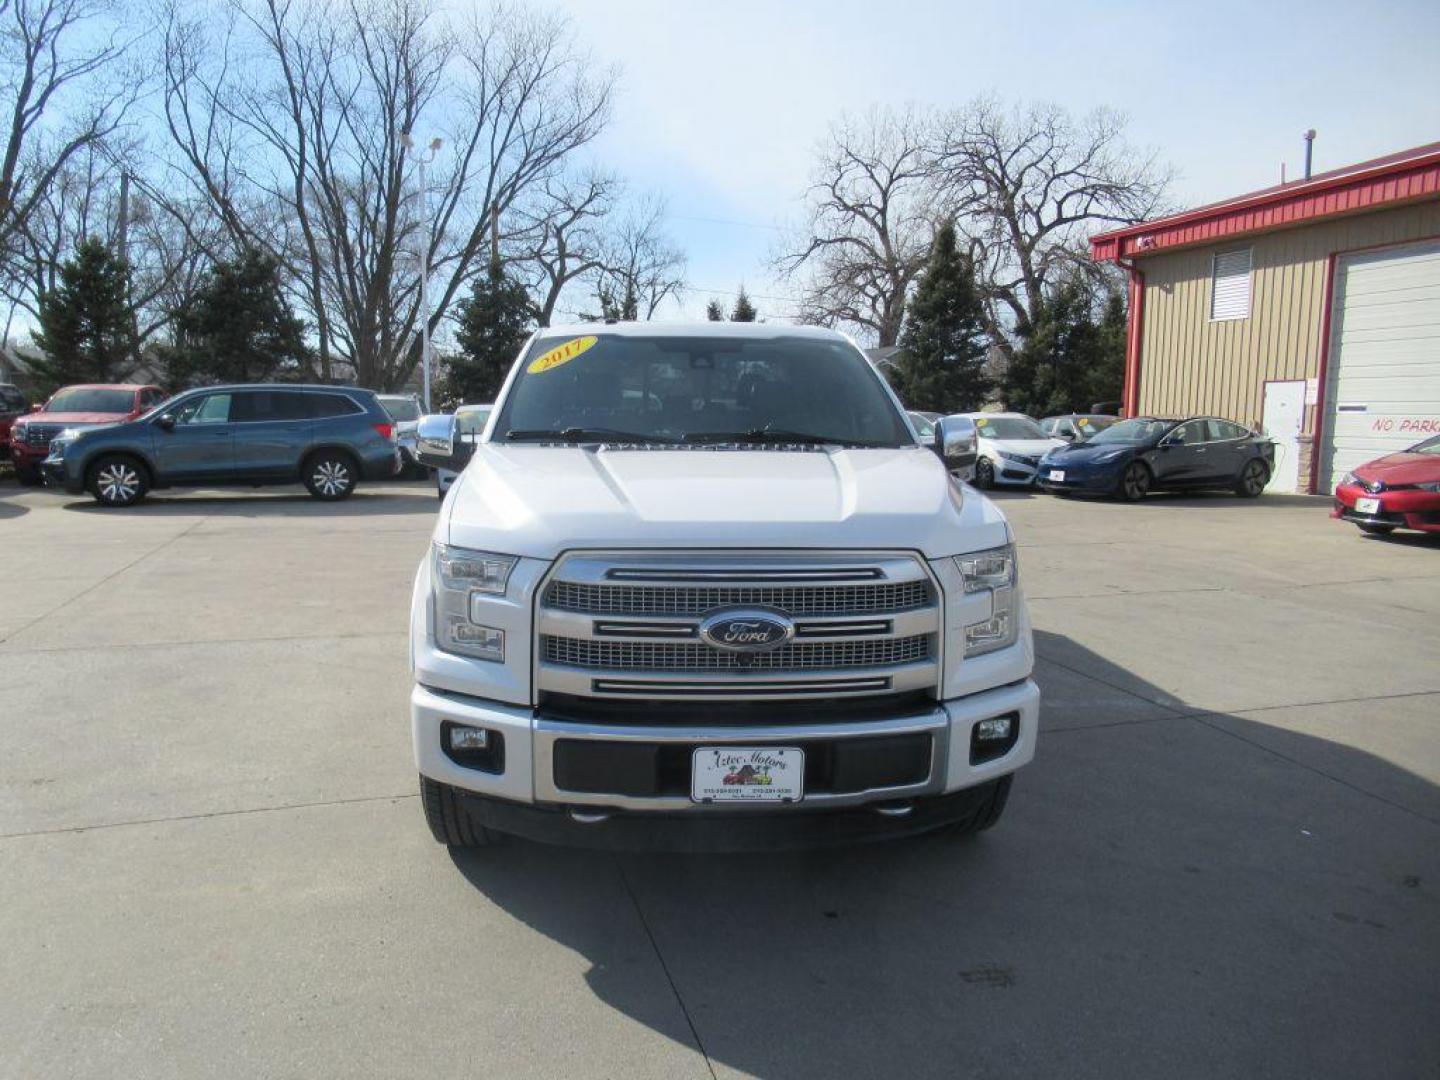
[{"x": 1225, "y": 860}]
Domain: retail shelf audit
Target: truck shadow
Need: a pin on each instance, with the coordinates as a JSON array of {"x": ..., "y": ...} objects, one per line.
[{"x": 1170, "y": 893}]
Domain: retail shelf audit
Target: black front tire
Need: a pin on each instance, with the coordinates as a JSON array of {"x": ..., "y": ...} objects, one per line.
[
  {"x": 989, "y": 810},
  {"x": 984, "y": 474},
  {"x": 117, "y": 480},
  {"x": 450, "y": 822},
  {"x": 1135, "y": 482},
  {"x": 1253, "y": 479},
  {"x": 330, "y": 475},
  {"x": 1376, "y": 530}
]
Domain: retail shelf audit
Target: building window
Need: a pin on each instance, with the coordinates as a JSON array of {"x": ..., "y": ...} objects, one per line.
[{"x": 1230, "y": 285}]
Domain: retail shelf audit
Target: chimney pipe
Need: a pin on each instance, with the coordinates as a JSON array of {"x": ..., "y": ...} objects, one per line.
[{"x": 1309, "y": 150}]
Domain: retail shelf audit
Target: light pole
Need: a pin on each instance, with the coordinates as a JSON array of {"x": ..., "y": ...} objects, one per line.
[{"x": 408, "y": 143}]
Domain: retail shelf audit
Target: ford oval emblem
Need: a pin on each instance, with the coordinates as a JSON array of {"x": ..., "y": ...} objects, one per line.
[{"x": 747, "y": 630}]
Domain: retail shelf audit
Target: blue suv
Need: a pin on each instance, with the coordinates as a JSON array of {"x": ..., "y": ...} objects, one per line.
[{"x": 327, "y": 437}]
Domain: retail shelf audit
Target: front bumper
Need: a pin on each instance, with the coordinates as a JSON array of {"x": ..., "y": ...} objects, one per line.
[
  {"x": 1014, "y": 472},
  {"x": 529, "y": 780},
  {"x": 1091, "y": 479},
  {"x": 1406, "y": 508}
]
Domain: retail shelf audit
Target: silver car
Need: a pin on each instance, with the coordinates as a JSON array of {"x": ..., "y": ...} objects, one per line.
[{"x": 470, "y": 421}]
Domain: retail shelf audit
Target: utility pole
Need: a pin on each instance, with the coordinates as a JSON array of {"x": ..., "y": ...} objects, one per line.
[
  {"x": 407, "y": 142},
  {"x": 494, "y": 236},
  {"x": 124, "y": 223}
]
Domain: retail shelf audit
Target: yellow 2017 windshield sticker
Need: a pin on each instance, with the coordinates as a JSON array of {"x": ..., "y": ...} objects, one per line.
[{"x": 561, "y": 354}]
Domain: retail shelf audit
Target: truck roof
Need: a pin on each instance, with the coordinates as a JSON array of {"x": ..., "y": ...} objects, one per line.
[{"x": 694, "y": 329}]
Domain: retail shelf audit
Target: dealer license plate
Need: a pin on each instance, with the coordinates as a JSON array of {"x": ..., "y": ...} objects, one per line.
[
  {"x": 1368, "y": 506},
  {"x": 1057, "y": 476},
  {"x": 747, "y": 774}
]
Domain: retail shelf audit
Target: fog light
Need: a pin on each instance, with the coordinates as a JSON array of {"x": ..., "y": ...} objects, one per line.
[
  {"x": 991, "y": 730},
  {"x": 468, "y": 738},
  {"x": 994, "y": 737}
]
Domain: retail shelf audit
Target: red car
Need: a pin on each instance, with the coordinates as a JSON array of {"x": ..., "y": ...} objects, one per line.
[
  {"x": 1397, "y": 491},
  {"x": 72, "y": 407}
]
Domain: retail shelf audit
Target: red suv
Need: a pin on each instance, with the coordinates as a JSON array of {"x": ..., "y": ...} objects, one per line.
[
  {"x": 74, "y": 407},
  {"x": 1397, "y": 491}
]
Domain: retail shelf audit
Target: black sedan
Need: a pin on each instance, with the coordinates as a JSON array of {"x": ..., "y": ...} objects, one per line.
[{"x": 1147, "y": 454}]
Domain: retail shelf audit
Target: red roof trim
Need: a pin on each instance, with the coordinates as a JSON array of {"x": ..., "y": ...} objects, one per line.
[{"x": 1411, "y": 174}]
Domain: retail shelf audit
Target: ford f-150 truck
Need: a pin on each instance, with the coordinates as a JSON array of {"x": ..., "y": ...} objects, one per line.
[{"x": 702, "y": 587}]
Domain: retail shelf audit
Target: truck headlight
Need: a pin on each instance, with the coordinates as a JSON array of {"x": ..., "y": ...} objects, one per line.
[
  {"x": 463, "y": 580},
  {"x": 993, "y": 571}
]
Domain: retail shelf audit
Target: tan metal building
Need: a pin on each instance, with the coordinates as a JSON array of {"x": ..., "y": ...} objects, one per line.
[{"x": 1311, "y": 309}]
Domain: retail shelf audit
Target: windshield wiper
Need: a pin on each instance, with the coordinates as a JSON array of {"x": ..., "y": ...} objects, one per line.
[
  {"x": 774, "y": 435},
  {"x": 583, "y": 434}
]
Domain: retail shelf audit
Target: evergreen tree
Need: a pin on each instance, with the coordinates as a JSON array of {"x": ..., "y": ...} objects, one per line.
[
  {"x": 714, "y": 312},
  {"x": 618, "y": 307},
  {"x": 238, "y": 327},
  {"x": 1068, "y": 360},
  {"x": 495, "y": 320},
  {"x": 86, "y": 331},
  {"x": 943, "y": 344},
  {"x": 744, "y": 310}
]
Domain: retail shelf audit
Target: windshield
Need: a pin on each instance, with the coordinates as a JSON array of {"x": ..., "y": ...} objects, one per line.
[
  {"x": 88, "y": 400},
  {"x": 699, "y": 389},
  {"x": 1429, "y": 446},
  {"x": 401, "y": 409},
  {"x": 1090, "y": 426},
  {"x": 471, "y": 421},
  {"x": 1133, "y": 431},
  {"x": 1008, "y": 427}
]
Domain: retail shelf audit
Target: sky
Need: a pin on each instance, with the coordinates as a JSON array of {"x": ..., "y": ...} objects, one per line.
[{"x": 721, "y": 105}]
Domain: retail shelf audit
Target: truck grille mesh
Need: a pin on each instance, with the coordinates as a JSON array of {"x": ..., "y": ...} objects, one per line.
[
  {"x": 698, "y": 599},
  {"x": 627, "y": 656}
]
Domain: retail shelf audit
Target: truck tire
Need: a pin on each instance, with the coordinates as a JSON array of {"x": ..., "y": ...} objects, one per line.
[
  {"x": 449, "y": 821},
  {"x": 989, "y": 810}
]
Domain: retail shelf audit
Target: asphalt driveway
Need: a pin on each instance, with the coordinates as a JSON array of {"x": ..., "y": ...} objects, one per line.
[{"x": 1225, "y": 860}]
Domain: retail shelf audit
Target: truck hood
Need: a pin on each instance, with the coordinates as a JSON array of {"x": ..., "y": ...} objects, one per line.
[
  {"x": 73, "y": 419},
  {"x": 541, "y": 501}
]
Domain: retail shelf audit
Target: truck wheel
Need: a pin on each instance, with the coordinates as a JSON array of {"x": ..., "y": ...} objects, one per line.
[
  {"x": 330, "y": 475},
  {"x": 989, "y": 810},
  {"x": 117, "y": 480},
  {"x": 449, "y": 821},
  {"x": 1252, "y": 480}
]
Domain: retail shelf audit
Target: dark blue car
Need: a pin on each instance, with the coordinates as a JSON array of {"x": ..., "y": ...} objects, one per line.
[
  {"x": 1144, "y": 454},
  {"x": 327, "y": 437}
]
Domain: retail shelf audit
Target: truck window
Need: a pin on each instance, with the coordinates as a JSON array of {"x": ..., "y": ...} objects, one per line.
[{"x": 682, "y": 388}]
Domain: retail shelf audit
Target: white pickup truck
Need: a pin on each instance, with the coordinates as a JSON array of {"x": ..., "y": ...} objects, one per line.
[{"x": 700, "y": 587}]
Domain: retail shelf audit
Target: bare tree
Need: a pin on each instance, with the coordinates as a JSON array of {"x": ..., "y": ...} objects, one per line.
[
  {"x": 562, "y": 235},
  {"x": 301, "y": 152},
  {"x": 640, "y": 268},
  {"x": 869, "y": 225},
  {"x": 1027, "y": 187},
  {"x": 52, "y": 56}
]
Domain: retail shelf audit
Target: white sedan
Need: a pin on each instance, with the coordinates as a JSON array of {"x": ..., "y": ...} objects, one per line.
[{"x": 1010, "y": 446}]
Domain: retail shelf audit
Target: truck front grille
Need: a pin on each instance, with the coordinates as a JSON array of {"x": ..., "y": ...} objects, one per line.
[
  {"x": 41, "y": 434},
  {"x": 699, "y": 599},
  {"x": 801, "y": 656},
  {"x": 628, "y": 624}
]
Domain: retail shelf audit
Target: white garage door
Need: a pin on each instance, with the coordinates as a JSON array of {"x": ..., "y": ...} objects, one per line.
[{"x": 1384, "y": 371}]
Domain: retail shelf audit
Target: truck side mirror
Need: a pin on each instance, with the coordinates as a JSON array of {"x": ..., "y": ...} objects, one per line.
[
  {"x": 955, "y": 442},
  {"x": 435, "y": 441}
]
